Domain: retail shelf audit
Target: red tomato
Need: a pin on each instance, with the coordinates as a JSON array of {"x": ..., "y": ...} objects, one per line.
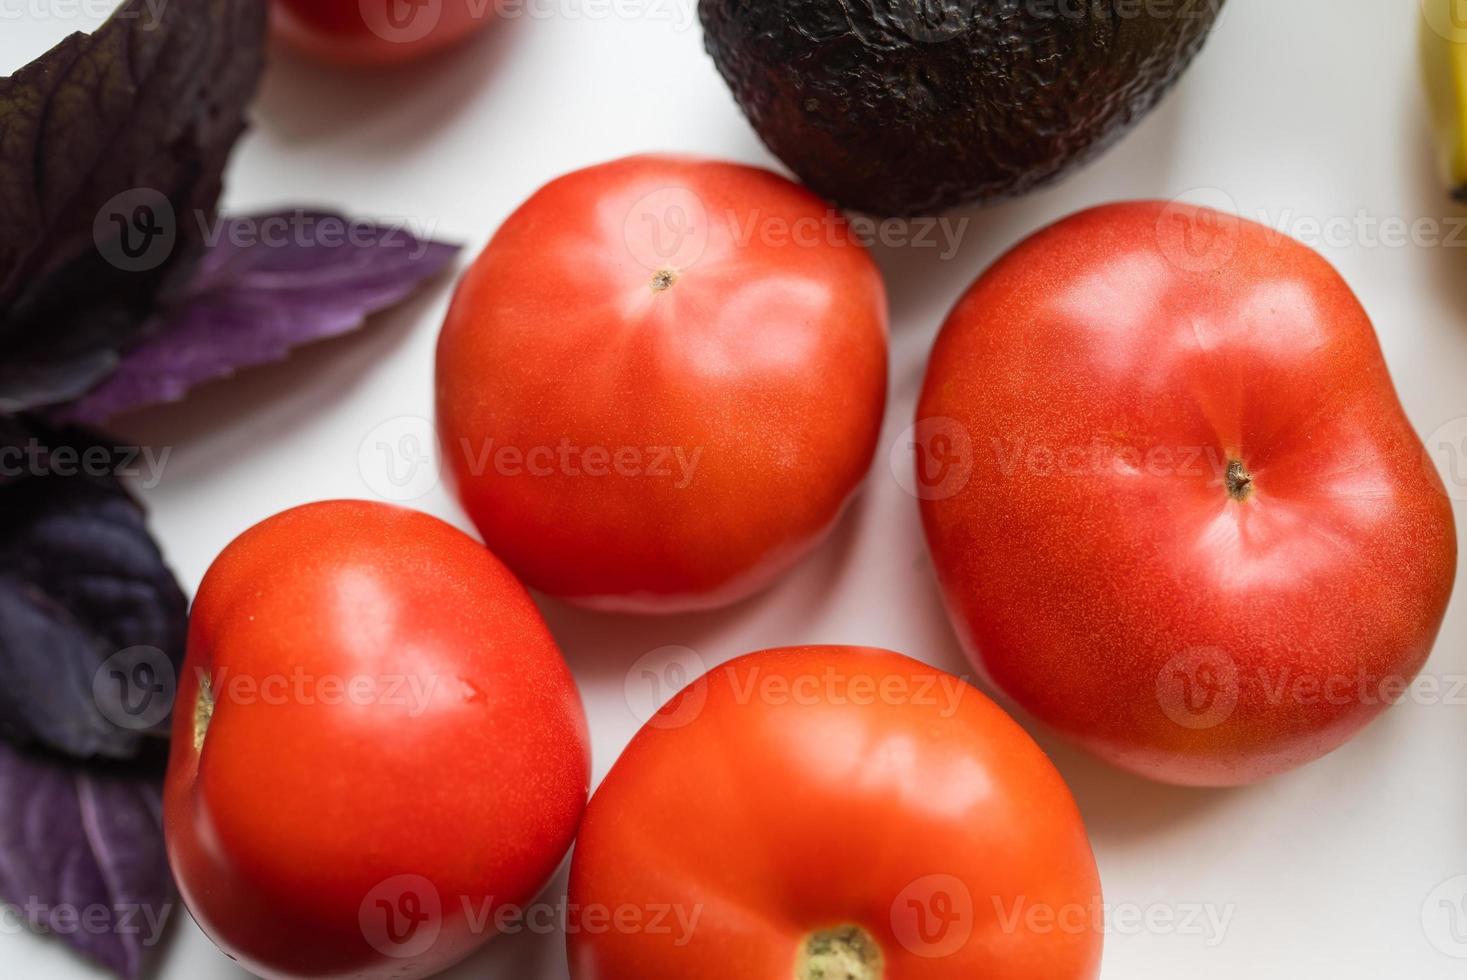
[
  {"x": 822, "y": 812},
  {"x": 376, "y": 742},
  {"x": 662, "y": 381},
  {"x": 377, "y": 32},
  {"x": 1174, "y": 503}
]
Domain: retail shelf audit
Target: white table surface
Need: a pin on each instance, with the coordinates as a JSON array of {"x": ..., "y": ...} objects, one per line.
[{"x": 1307, "y": 113}]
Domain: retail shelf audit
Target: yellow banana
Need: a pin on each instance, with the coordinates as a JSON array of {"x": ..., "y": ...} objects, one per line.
[{"x": 1444, "y": 55}]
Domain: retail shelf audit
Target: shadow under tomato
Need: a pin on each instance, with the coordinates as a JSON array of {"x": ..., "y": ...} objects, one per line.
[
  {"x": 1125, "y": 812},
  {"x": 535, "y": 946},
  {"x": 601, "y": 646},
  {"x": 1120, "y": 807}
]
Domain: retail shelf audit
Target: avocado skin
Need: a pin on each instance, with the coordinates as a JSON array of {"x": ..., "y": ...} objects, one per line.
[{"x": 900, "y": 107}]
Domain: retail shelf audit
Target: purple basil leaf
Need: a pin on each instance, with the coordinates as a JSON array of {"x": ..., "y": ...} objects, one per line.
[
  {"x": 112, "y": 147},
  {"x": 82, "y": 855},
  {"x": 92, "y": 622},
  {"x": 267, "y": 284}
]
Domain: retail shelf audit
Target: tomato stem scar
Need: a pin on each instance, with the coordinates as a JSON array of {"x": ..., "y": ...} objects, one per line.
[
  {"x": 203, "y": 711},
  {"x": 662, "y": 279},
  {"x": 843, "y": 953},
  {"x": 1238, "y": 480}
]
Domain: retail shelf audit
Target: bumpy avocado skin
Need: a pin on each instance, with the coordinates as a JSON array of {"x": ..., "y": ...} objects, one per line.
[{"x": 899, "y": 107}]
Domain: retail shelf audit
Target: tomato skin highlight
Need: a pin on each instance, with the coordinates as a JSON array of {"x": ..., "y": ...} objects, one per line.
[
  {"x": 1199, "y": 535},
  {"x": 805, "y": 789},
  {"x": 662, "y": 382},
  {"x": 455, "y": 771},
  {"x": 376, "y": 33}
]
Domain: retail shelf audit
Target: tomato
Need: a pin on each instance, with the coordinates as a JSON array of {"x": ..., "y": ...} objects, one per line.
[
  {"x": 821, "y": 812},
  {"x": 1176, "y": 508},
  {"x": 377, "y": 32},
  {"x": 376, "y": 746},
  {"x": 661, "y": 382}
]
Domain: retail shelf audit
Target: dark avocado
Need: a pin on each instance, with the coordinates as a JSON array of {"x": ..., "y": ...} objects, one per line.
[{"x": 899, "y": 107}]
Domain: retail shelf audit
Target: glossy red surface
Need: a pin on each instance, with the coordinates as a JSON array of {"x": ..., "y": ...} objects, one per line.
[
  {"x": 387, "y": 703},
  {"x": 813, "y": 788},
  {"x": 1101, "y": 380},
  {"x": 661, "y": 382}
]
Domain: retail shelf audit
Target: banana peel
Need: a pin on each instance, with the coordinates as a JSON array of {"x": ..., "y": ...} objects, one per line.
[{"x": 1444, "y": 57}]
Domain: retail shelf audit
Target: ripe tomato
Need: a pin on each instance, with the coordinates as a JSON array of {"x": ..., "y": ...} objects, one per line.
[
  {"x": 377, "y": 32},
  {"x": 662, "y": 381},
  {"x": 822, "y": 812},
  {"x": 1174, "y": 503},
  {"x": 377, "y": 745}
]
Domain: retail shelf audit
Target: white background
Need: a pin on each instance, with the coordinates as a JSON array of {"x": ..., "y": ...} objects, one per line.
[{"x": 1302, "y": 111}]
